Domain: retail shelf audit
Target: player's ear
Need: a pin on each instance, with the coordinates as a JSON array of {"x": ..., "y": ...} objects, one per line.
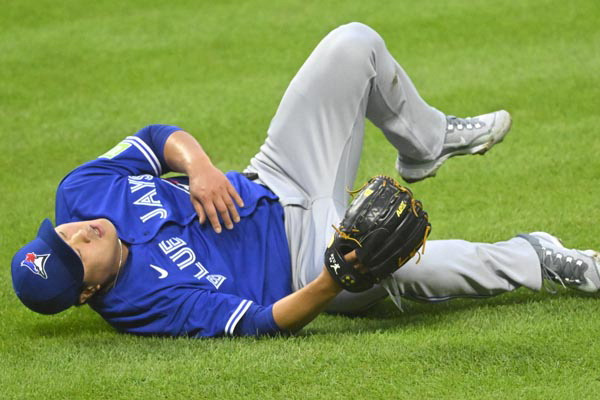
[{"x": 87, "y": 293}]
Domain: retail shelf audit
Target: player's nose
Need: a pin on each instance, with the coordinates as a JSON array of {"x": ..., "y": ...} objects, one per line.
[{"x": 80, "y": 236}]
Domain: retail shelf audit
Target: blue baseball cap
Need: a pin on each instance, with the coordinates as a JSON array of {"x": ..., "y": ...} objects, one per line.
[{"x": 47, "y": 274}]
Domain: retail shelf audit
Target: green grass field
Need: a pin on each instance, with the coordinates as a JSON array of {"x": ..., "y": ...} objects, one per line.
[{"x": 77, "y": 76}]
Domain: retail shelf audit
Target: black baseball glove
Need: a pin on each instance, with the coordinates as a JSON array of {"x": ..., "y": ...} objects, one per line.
[{"x": 385, "y": 225}]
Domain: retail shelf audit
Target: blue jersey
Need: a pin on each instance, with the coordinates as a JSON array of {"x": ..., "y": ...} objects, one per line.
[{"x": 181, "y": 278}]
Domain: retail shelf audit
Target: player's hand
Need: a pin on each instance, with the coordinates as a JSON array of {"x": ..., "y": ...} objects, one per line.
[
  {"x": 213, "y": 196},
  {"x": 353, "y": 259},
  {"x": 350, "y": 258}
]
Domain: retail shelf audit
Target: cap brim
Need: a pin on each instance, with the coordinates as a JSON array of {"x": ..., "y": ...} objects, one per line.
[{"x": 48, "y": 234}]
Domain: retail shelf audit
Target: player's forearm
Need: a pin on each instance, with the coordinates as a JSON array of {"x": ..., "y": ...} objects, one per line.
[
  {"x": 298, "y": 309},
  {"x": 184, "y": 154}
]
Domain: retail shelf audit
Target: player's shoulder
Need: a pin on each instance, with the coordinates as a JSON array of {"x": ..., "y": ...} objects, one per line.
[{"x": 87, "y": 174}]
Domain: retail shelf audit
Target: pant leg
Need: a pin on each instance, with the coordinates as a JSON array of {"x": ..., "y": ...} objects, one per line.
[
  {"x": 457, "y": 268},
  {"x": 315, "y": 138}
]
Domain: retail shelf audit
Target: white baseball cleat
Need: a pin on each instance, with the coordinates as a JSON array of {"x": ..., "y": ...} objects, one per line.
[
  {"x": 474, "y": 135},
  {"x": 571, "y": 268}
]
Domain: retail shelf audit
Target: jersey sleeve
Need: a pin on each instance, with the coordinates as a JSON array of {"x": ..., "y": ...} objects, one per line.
[
  {"x": 216, "y": 314},
  {"x": 142, "y": 153},
  {"x": 89, "y": 191},
  {"x": 256, "y": 321},
  {"x": 184, "y": 311}
]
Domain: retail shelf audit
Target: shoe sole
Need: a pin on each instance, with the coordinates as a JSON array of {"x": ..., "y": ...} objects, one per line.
[{"x": 429, "y": 170}]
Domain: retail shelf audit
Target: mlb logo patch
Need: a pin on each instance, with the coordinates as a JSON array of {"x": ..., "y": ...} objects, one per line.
[{"x": 36, "y": 263}]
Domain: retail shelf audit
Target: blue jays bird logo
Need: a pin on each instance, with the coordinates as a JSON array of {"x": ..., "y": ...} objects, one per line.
[{"x": 36, "y": 263}]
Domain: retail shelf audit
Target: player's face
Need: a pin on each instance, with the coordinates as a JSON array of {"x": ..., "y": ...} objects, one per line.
[{"x": 97, "y": 245}]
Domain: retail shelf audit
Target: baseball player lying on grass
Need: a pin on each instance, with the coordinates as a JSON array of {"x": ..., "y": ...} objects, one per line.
[{"x": 129, "y": 244}]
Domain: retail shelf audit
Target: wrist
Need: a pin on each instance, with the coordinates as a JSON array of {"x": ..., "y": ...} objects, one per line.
[
  {"x": 327, "y": 284},
  {"x": 198, "y": 163}
]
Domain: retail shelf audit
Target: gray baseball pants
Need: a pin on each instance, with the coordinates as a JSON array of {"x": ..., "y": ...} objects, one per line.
[{"x": 312, "y": 153}]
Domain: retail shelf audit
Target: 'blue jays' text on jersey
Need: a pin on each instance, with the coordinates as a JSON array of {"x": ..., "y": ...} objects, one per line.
[{"x": 181, "y": 278}]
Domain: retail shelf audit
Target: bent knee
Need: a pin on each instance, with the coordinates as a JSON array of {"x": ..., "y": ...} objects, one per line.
[
  {"x": 355, "y": 40},
  {"x": 357, "y": 30}
]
